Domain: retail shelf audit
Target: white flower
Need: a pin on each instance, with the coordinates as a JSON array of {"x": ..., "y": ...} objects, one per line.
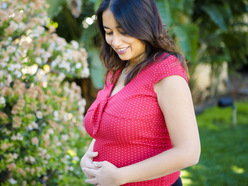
[
  {"x": 46, "y": 55},
  {"x": 75, "y": 158},
  {"x": 22, "y": 25},
  {"x": 75, "y": 44},
  {"x": 35, "y": 125},
  {"x": 78, "y": 65},
  {"x": 39, "y": 115},
  {"x": 4, "y": 5},
  {"x": 56, "y": 115},
  {"x": 2, "y": 100},
  {"x": 61, "y": 77},
  {"x": 81, "y": 109},
  {"x": 85, "y": 73},
  {"x": 14, "y": 24},
  {"x": 71, "y": 168},
  {"x": 42, "y": 151},
  {"x": 38, "y": 60},
  {"x": 82, "y": 103},
  {"x": 65, "y": 65},
  {"x": 17, "y": 137},
  {"x": 37, "y": 32},
  {"x": 11, "y": 67},
  {"x": 12, "y": 181},
  {"x": 50, "y": 131},
  {"x": 32, "y": 159},
  {"x": 66, "y": 117},
  {"x": 18, "y": 74},
  {"x": 55, "y": 63},
  {"x": 64, "y": 137},
  {"x": 9, "y": 79},
  {"x": 30, "y": 127}
]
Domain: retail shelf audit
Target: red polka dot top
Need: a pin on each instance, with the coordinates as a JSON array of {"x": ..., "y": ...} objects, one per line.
[{"x": 129, "y": 126}]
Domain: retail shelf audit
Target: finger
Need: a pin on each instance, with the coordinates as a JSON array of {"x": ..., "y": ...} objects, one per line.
[
  {"x": 88, "y": 176},
  {"x": 93, "y": 154},
  {"x": 91, "y": 181},
  {"x": 90, "y": 165},
  {"x": 91, "y": 172},
  {"x": 101, "y": 163},
  {"x": 98, "y": 164}
]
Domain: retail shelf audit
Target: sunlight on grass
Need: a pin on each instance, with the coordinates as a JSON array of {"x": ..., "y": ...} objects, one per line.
[
  {"x": 237, "y": 170},
  {"x": 184, "y": 175}
]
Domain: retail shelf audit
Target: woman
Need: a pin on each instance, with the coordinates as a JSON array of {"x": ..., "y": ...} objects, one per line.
[{"x": 142, "y": 123}]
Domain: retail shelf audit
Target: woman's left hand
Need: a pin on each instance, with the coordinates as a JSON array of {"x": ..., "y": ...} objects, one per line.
[{"x": 106, "y": 174}]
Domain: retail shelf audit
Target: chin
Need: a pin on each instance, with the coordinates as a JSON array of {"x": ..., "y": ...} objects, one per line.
[{"x": 124, "y": 58}]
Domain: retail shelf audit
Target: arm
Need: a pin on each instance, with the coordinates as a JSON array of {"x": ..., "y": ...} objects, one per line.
[
  {"x": 175, "y": 101},
  {"x": 176, "y": 104}
]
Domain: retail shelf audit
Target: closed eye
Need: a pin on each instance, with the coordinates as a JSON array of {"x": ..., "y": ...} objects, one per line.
[
  {"x": 121, "y": 31},
  {"x": 109, "y": 33}
]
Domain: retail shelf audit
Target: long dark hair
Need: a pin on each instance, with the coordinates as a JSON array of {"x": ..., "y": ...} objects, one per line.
[{"x": 139, "y": 19}]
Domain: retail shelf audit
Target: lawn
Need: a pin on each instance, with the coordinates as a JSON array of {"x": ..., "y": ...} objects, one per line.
[{"x": 224, "y": 155}]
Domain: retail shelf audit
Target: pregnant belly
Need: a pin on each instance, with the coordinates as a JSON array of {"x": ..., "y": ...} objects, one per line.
[{"x": 123, "y": 155}]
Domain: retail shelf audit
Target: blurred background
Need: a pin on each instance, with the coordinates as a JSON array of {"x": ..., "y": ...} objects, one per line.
[{"x": 50, "y": 73}]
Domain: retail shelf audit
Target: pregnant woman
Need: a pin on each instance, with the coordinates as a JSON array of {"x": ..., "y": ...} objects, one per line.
[{"x": 142, "y": 123}]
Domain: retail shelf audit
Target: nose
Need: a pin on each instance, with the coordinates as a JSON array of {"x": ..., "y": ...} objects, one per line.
[{"x": 116, "y": 42}]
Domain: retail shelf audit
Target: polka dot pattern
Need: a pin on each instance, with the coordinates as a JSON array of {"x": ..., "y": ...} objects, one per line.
[{"x": 129, "y": 126}]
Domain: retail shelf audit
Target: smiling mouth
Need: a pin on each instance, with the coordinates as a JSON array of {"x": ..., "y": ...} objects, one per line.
[{"x": 122, "y": 50}]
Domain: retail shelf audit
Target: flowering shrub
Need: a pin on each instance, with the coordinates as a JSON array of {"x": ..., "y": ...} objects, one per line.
[{"x": 41, "y": 112}]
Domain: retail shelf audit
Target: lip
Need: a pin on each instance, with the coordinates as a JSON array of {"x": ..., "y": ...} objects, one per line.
[{"x": 121, "y": 50}]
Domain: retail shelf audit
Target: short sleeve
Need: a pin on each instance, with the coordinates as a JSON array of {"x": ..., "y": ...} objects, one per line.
[{"x": 168, "y": 67}]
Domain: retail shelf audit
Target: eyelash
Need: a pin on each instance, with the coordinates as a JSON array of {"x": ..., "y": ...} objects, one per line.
[{"x": 121, "y": 32}]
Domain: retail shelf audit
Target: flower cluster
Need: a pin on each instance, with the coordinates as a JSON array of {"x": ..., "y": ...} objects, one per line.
[
  {"x": 41, "y": 113},
  {"x": 28, "y": 42}
]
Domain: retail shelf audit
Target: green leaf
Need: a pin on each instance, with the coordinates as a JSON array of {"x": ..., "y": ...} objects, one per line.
[
  {"x": 216, "y": 14},
  {"x": 55, "y": 7},
  {"x": 165, "y": 12},
  {"x": 188, "y": 7},
  {"x": 97, "y": 69},
  {"x": 88, "y": 36},
  {"x": 97, "y": 4},
  {"x": 187, "y": 37}
]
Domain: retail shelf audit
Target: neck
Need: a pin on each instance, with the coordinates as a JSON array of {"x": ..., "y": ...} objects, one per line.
[{"x": 132, "y": 63}]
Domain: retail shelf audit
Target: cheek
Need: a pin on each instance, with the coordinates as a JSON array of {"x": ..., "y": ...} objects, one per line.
[
  {"x": 108, "y": 40},
  {"x": 140, "y": 47}
]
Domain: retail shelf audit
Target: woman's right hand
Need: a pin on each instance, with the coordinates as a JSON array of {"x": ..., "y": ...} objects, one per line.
[{"x": 87, "y": 161}]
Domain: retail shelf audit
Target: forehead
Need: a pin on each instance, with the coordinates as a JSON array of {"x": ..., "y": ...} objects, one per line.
[{"x": 108, "y": 20}]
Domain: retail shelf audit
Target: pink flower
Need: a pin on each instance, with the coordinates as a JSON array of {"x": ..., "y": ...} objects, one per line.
[
  {"x": 35, "y": 141},
  {"x": 11, "y": 166},
  {"x": 3, "y": 117},
  {"x": 5, "y": 146},
  {"x": 21, "y": 171},
  {"x": 17, "y": 121}
]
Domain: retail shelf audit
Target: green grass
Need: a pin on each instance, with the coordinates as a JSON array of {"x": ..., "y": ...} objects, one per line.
[{"x": 224, "y": 149}]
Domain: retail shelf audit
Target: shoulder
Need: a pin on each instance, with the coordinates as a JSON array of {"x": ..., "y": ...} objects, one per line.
[{"x": 166, "y": 65}]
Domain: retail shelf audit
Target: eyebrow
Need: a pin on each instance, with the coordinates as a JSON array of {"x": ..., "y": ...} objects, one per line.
[{"x": 109, "y": 28}]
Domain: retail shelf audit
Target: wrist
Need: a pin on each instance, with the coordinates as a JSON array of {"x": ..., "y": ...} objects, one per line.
[{"x": 121, "y": 179}]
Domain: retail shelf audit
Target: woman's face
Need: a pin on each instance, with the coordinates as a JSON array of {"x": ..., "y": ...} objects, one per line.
[{"x": 127, "y": 47}]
